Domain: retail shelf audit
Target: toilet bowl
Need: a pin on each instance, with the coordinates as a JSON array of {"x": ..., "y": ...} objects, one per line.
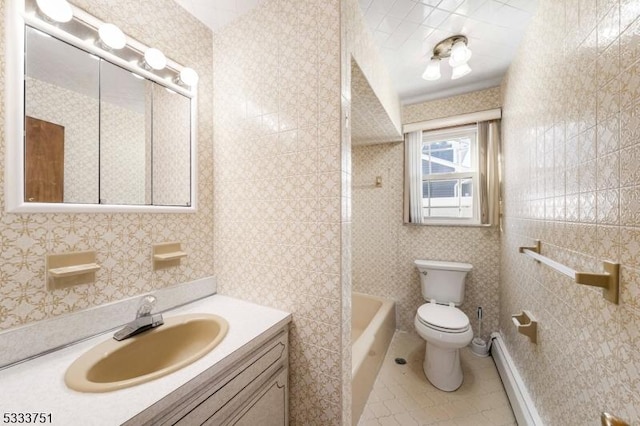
[
  {"x": 446, "y": 329},
  {"x": 443, "y": 326}
]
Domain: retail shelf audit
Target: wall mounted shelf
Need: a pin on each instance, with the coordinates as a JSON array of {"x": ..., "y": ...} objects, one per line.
[
  {"x": 169, "y": 256},
  {"x": 527, "y": 325},
  {"x": 609, "y": 281},
  {"x": 166, "y": 255},
  {"x": 70, "y": 269}
]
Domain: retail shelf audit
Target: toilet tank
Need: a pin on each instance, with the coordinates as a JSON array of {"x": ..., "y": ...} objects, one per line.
[{"x": 443, "y": 281}]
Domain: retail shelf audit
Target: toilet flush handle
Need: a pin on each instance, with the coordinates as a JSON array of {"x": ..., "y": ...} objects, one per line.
[{"x": 424, "y": 272}]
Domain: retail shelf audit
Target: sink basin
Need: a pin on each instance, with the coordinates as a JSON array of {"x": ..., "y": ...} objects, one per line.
[{"x": 113, "y": 365}]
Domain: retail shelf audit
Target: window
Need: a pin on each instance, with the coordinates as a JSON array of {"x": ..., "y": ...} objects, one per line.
[{"x": 450, "y": 175}]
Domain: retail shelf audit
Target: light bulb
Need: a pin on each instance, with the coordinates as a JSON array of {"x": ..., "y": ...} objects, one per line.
[
  {"x": 189, "y": 76},
  {"x": 112, "y": 36},
  {"x": 433, "y": 70},
  {"x": 460, "y": 54},
  {"x": 155, "y": 59},
  {"x": 56, "y": 10},
  {"x": 460, "y": 71}
]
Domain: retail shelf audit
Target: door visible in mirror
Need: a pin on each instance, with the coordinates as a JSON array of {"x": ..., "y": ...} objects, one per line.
[
  {"x": 125, "y": 136},
  {"x": 44, "y": 164},
  {"x": 61, "y": 109},
  {"x": 171, "y": 148}
]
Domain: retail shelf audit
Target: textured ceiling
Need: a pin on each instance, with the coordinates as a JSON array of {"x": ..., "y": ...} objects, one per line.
[
  {"x": 407, "y": 30},
  {"x": 217, "y": 13}
]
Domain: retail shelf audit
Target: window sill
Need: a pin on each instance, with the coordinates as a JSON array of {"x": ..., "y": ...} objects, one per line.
[{"x": 451, "y": 224}]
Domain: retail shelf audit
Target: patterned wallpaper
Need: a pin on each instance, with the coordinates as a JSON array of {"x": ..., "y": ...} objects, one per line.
[
  {"x": 123, "y": 241},
  {"x": 277, "y": 170},
  {"x": 447, "y": 107},
  {"x": 572, "y": 156},
  {"x": 79, "y": 115},
  {"x": 384, "y": 248},
  {"x": 370, "y": 122}
]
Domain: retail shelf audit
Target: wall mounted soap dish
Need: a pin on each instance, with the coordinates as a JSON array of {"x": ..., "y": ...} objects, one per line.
[{"x": 527, "y": 325}]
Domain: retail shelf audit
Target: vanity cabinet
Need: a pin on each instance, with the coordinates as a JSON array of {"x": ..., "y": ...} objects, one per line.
[{"x": 249, "y": 389}]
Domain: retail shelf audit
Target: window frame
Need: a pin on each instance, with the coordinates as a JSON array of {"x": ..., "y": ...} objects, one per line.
[{"x": 450, "y": 133}]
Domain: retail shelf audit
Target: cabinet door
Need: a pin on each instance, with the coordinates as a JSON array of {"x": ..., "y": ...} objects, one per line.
[{"x": 269, "y": 405}]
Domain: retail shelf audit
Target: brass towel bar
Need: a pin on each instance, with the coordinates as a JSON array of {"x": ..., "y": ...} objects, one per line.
[{"x": 608, "y": 281}]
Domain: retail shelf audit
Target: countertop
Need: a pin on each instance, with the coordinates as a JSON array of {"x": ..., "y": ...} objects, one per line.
[{"x": 37, "y": 386}]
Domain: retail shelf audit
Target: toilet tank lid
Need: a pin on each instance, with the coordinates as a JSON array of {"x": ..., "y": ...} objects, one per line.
[{"x": 449, "y": 266}]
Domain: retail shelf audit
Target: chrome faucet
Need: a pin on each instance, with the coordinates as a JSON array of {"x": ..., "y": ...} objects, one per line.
[{"x": 144, "y": 320}]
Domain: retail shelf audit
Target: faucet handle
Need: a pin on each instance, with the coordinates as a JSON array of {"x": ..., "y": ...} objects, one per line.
[{"x": 146, "y": 306}]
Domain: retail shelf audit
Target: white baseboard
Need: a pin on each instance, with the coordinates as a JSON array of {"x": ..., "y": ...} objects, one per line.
[{"x": 521, "y": 402}]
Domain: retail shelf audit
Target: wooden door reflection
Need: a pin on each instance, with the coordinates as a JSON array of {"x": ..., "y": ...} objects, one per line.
[{"x": 44, "y": 161}]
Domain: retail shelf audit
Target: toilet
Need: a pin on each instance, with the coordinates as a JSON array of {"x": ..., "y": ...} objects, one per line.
[{"x": 445, "y": 327}]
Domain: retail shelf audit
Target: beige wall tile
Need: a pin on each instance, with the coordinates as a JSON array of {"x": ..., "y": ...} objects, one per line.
[
  {"x": 584, "y": 341},
  {"x": 283, "y": 178}
]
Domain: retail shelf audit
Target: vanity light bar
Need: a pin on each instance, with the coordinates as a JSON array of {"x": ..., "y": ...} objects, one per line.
[
  {"x": 56, "y": 10},
  {"x": 168, "y": 76}
]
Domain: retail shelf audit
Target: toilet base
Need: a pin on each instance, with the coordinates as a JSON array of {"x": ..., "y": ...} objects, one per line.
[{"x": 442, "y": 367}]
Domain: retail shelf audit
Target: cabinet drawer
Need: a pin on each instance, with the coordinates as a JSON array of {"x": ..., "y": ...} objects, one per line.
[
  {"x": 232, "y": 394},
  {"x": 267, "y": 407}
]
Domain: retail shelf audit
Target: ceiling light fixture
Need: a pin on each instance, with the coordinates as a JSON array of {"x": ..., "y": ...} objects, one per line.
[
  {"x": 56, "y": 10},
  {"x": 433, "y": 70},
  {"x": 155, "y": 59},
  {"x": 112, "y": 36},
  {"x": 455, "y": 48},
  {"x": 460, "y": 71}
]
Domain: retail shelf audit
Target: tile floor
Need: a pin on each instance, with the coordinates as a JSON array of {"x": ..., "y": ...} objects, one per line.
[{"x": 403, "y": 396}]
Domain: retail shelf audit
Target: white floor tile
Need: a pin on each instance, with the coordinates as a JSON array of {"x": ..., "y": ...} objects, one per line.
[{"x": 403, "y": 396}]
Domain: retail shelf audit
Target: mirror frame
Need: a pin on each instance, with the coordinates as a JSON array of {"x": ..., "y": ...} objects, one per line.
[{"x": 16, "y": 19}]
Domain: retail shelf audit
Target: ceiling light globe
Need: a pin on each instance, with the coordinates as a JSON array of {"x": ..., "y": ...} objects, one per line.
[
  {"x": 460, "y": 71},
  {"x": 112, "y": 36},
  {"x": 189, "y": 76},
  {"x": 433, "y": 70},
  {"x": 56, "y": 10},
  {"x": 460, "y": 54},
  {"x": 155, "y": 58}
]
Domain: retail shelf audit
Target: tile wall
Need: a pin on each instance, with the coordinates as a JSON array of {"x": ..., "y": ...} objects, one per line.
[
  {"x": 358, "y": 45},
  {"x": 123, "y": 241},
  {"x": 360, "y": 53},
  {"x": 370, "y": 122},
  {"x": 572, "y": 155},
  {"x": 278, "y": 196},
  {"x": 283, "y": 181},
  {"x": 384, "y": 248}
]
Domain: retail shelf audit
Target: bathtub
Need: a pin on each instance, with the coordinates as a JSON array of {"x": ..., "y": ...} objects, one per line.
[{"x": 373, "y": 322}]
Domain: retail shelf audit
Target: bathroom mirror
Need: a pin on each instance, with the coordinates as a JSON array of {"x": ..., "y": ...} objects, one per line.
[
  {"x": 171, "y": 154},
  {"x": 62, "y": 118},
  {"x": 91, "y": 130},
  {"x": 125, "y": 136}
]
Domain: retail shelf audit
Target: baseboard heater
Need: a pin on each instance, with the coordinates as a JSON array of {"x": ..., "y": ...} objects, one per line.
[{"x": 521, "y": 402}]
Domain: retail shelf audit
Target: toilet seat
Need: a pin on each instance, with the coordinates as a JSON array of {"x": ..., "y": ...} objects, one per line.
[{"x": 447, "y": 319}]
